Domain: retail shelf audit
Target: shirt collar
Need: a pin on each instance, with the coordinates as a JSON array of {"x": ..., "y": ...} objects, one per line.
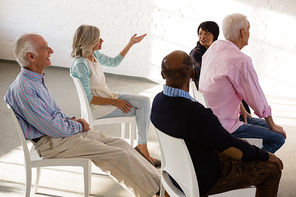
[
  {"x": 204, "y": 49},
  {"x": 231, "y": 43},
  {"x": 32, "y": 75},
  {"x": 175, "y": 92}
]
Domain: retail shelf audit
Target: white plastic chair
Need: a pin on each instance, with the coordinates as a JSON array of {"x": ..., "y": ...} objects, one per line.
[
  {"x": 197, "y": 95},
  {"x": 32, "y": 160},
  {"x": 87, "y": 114},
  {"x": 201, "y": 98},
  {"x": 176, "y": 162}
]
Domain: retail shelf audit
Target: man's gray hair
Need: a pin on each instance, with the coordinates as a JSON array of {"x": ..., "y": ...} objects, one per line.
[
  {"x": 232, "y": 24},
  {"x": 23, "y": 44}
]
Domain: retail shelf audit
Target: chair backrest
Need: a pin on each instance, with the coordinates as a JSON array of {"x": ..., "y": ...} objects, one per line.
[
  {"x": 197, "y": 95},
  {"x": 84, "y": 104},
  {"x": 27, "y": 154},
  {"x": 176, "y": 162}
]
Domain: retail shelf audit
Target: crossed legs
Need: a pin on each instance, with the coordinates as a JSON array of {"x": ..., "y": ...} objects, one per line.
[{"x": 141, "y": 110}]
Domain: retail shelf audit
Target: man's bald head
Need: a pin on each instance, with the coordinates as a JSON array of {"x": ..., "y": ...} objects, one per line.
[{"x": 177, "y": 69}]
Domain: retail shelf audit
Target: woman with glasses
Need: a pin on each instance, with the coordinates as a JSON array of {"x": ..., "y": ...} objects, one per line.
[{"x": 208, "y": 32}]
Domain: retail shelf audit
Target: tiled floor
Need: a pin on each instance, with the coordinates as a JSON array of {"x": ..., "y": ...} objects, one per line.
[{"x": 69, "y": 181}]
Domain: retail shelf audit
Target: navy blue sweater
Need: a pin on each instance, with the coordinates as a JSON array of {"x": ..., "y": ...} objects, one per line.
[{"x": 203, "y": 134}]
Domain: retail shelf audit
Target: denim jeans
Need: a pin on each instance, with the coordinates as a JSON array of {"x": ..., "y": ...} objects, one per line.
[
  {"x": 235, "y": 174},
  {"x": 141, "y": 110},
  {"x": 258, "y": 128}
]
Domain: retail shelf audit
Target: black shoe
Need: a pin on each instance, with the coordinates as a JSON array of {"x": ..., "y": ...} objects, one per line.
[{"x": 156, "y": 163}]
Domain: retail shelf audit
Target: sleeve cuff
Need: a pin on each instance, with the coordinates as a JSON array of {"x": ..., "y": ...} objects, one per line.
[
  {"x": 265, "y": 113},
  {"x": 119, "y": 57}
]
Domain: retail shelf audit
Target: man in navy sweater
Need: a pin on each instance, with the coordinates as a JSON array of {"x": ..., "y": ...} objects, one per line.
[{"x": 222, "y": 162}]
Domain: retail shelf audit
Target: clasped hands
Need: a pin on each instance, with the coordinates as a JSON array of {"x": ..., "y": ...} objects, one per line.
[{"x": 85, "y": 125}]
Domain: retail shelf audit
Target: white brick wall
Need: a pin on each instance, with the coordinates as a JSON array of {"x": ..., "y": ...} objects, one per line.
[{"x": 170, "y": 25}]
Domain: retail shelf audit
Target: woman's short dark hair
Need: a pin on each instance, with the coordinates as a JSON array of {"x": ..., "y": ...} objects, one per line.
[{"x": 209, "y": 26}]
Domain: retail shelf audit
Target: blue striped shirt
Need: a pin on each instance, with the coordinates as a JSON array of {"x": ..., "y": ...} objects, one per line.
[
  {"x": 36, "y": 110},
  {"x": 175, "y": 92}
]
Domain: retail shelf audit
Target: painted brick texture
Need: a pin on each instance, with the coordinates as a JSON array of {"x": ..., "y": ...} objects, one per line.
[{"x": 170, "y": 25}]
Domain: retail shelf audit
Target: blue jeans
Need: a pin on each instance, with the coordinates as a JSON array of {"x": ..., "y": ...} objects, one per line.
[
  {"x": 258, "y": 128},
  {"x": 141, "y": 110}
]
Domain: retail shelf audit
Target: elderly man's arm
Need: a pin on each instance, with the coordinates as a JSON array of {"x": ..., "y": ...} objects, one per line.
[
  {"x": 249, "y": 88},
  {"x": 49, "y": 120},
  {"x": 274, "y": 127}
]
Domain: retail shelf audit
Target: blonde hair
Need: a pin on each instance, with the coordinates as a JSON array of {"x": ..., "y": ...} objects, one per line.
[
  {"x": 85, "y": 38},
  {"x": 23, "y": 44},
  {"x": 232, "y": 24}
]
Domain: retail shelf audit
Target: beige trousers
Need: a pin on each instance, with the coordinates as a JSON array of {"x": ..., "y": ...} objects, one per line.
[{"x": 112, "y": 155}]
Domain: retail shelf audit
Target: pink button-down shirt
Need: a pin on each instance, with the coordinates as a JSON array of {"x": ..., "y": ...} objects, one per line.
[{"x": 227, "y": 77}]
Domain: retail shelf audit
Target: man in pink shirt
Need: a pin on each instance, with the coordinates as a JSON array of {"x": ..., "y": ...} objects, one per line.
[{"x": 228, "y": 76}]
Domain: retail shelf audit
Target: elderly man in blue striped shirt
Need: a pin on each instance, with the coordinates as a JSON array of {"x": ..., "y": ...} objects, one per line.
[{"x": 56, "y": 135}]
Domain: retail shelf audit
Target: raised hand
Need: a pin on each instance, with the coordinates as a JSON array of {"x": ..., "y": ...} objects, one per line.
[{"x": 136, "y": 39}]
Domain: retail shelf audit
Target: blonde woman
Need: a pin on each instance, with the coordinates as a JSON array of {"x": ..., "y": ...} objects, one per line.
[{"x": 105, "y": 103}]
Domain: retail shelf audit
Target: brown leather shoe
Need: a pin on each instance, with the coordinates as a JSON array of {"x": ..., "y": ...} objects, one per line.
[{"x": 166, "y": 194}]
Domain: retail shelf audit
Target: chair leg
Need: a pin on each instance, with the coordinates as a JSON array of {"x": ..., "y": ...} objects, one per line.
[
  {"x": 122, "y": 130},
  {"x": 87, "y": 179},
  {"x": 38, "y": 172},
  {"x": 28, "y": 181},
  {"x": 162, "y": 190},
  {"x": 132, "y": 133}
]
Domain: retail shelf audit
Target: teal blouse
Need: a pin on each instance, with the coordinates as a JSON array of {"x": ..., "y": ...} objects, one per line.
[{"x": 80, "y": 69}]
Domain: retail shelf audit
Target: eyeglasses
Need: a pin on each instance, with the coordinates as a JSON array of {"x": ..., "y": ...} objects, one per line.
[{"x": 204, "y": 34}]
